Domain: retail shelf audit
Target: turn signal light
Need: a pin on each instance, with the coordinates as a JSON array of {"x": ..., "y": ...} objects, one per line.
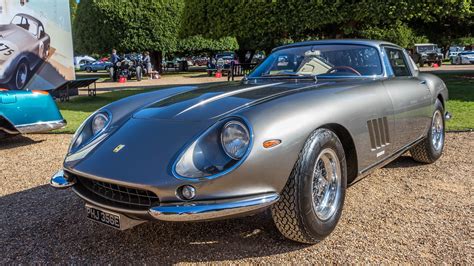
[
  {"x": 271, "y": 143},
  {"x": 3, "y": 89}
]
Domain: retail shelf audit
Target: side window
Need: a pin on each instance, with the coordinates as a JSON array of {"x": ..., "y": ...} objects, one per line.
[
  {"x": 398, "y": 62},
  {"x": 41, "y": 32}
]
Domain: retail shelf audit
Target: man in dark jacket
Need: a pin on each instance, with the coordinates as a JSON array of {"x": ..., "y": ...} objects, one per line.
[{"x": 114, "y": 59}]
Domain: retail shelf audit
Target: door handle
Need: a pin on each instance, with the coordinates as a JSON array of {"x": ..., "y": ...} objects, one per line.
[{"x": 423, "y": 82}]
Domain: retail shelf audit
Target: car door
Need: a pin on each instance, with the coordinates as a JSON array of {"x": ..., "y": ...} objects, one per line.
[{"x": 411, "y": 98}]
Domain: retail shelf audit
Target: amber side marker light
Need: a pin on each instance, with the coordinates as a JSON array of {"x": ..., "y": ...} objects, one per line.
[
  {"x": 271, "y": 143},
  {"x": 39, "y": 92}
]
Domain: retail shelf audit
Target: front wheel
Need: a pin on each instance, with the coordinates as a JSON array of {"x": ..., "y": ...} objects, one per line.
[
  {"x": 431, "y": 148},
  {"x": 21, "y": 76},
  {"x": 311, "y": 202}
]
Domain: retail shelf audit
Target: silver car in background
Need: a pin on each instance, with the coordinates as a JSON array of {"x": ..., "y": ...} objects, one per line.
[{"x": 310, "y": 119}]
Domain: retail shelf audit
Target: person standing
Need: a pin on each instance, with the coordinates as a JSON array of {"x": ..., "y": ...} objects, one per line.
[
  {"x": 147, "y": 62},
  {"x": 114, "y": 59}
]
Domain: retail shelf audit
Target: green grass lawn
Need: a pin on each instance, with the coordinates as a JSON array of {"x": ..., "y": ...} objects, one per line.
[
  {"x": 461, "y": 99},
  {"x": 460, "y": 104}
]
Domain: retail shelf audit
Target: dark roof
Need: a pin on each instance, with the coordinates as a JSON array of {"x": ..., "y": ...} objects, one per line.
[{"x": 29, "y": 17}]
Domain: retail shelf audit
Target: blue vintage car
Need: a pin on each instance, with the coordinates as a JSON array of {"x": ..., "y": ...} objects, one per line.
[
  {"x": 28, "y": 111},
  {"x": 97, "y": 65}
]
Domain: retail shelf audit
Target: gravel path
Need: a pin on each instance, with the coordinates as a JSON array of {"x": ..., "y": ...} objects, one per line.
[{"x": 405, "y": 212}]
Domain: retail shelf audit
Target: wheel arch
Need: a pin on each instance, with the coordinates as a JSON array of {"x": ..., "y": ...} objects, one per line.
[
  {"x": 441, "y": 99},
  {"x": 349, "y": 148},
  {"x": 7, "y": 126}
]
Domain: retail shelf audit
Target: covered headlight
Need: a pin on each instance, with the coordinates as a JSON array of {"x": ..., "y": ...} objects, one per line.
[
  {"x": 99, "y": 122},
  {"x": 217, "y": 151},
  {"x": 235, "y": 139},
  {"x": 90, "y": 130}
]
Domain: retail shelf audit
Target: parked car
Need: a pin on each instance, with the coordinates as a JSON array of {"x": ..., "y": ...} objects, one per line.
[
  {"x": 96, "y": 66},
  {"x": 81, "y": 60},
  {"x": 24, "y": 45},
  {"x": 25, "y": 111},
  {"x": 427, "y": 53},
  {"x": 466, "y": 57},
  {"x": 311, "y": 118},
  {"x": 221, "y": 62}
]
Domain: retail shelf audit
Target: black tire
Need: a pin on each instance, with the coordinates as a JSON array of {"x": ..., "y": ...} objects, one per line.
[
  {"x": 440, "y": 63},
  {"x": 139, "y": 73},
  {"x": 295, "y": 213},
  {"x": 427, "y": 151},
  {"x": 422, "y": 63},
  {"x": 88, "y": 69},
  {"x": 430, "y": 64},
  {"x": 17, "y": 82}
]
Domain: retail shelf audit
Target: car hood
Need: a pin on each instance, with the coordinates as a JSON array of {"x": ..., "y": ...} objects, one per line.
[
  {"x": 214, "y": 101},
  {"x": 12, "y": 32}
]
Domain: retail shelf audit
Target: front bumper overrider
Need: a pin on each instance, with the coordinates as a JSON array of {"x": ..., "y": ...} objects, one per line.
[{"x": 185, "y": 211}]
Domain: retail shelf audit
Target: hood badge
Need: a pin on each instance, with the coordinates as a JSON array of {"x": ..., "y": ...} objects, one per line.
[{"x": 118, "y": 148}]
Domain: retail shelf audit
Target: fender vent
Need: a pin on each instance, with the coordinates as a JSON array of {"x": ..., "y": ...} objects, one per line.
[{"x": 378, "y": 131}]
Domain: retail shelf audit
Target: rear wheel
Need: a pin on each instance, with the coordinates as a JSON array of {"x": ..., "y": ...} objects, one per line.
[
  {"x": 422, "y": 63},
  {"x": 88, "y": 69},
  {"x": 431, "y": 148},
  {"x": 312, "y": 200}
]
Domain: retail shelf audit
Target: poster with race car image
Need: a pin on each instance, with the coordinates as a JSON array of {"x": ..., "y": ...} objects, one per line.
[{"x": 36, "y": 50}]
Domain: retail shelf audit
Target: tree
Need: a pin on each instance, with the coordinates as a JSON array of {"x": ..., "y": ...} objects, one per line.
[
  {"x": 262, "y": 25},
  {"x": 128, "y": 26},
  {"x": 199, "y": 44}
]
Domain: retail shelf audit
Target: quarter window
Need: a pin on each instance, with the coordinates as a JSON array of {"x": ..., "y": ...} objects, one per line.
[{"x": 398, "y": 62}]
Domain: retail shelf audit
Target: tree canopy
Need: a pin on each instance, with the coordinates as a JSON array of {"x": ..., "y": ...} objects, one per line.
[
  {"x": 261, "y": 24},
  {"x": 249, "y": 25}
]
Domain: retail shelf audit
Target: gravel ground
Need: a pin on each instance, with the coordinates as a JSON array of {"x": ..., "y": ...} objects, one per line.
[{"x": 405, "y": 212}]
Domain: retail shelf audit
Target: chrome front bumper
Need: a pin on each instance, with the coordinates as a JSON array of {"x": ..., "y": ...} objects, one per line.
[
  {"x": 40, "y": 126},
  {"x": 183, "y": 211}
]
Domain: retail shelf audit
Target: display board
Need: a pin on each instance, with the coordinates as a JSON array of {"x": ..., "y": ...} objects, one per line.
[{"x": 36, "y": 49}]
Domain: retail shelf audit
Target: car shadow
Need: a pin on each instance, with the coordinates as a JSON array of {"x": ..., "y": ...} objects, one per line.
[
  {"x": 16, "y": 141},
  {"x": 43, "y": 224},
  {"x": 404, "y": 161}
]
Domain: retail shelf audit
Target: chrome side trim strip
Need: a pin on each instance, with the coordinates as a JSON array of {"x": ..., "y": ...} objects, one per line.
[
  {"x": 201, "y": 211},
  {"x": 41, "y": 126}
]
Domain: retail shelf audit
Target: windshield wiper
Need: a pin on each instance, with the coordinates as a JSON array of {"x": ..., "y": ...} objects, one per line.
[{"x": 289, "y": 75}]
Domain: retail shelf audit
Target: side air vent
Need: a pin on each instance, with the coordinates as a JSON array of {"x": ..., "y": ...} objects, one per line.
[{"x": 378, "y": 131}]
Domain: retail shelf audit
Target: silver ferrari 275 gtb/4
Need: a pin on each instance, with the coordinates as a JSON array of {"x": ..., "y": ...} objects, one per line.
[{"x": 311, "y": 118}]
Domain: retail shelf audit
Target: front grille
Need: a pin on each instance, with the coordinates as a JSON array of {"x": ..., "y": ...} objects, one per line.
[{"x": 120, "y": 195}]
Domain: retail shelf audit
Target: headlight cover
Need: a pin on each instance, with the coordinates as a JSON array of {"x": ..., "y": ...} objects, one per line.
[
  {"x": 90, "y": 130},
  {"x": 216, "y": 152},
  {"x": 235, "y": 139},
  {"x": 99, "y": 122}
]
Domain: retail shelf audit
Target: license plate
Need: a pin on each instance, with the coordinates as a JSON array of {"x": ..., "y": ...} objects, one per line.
[{"x": 103, "y": 217}]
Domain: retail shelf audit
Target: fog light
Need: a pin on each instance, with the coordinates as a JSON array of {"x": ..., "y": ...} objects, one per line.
[{"x": 187, "y": 192}]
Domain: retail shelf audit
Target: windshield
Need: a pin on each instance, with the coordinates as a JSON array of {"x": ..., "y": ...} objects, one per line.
[
  {"x": 426, "y": 48},
  {"x": 321, "y": 61}
]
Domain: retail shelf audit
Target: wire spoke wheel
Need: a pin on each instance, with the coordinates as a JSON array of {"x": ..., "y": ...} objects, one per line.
[
  {"x": 326, "y": 184},
  {"x": 21, "y": 76},
  {"x": 437, "y": 131}
]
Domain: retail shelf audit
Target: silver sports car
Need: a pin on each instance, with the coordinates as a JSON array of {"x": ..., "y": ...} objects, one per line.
[
  {"x": 310, "y": 119},
  {"x": 24, "y": 44}
]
